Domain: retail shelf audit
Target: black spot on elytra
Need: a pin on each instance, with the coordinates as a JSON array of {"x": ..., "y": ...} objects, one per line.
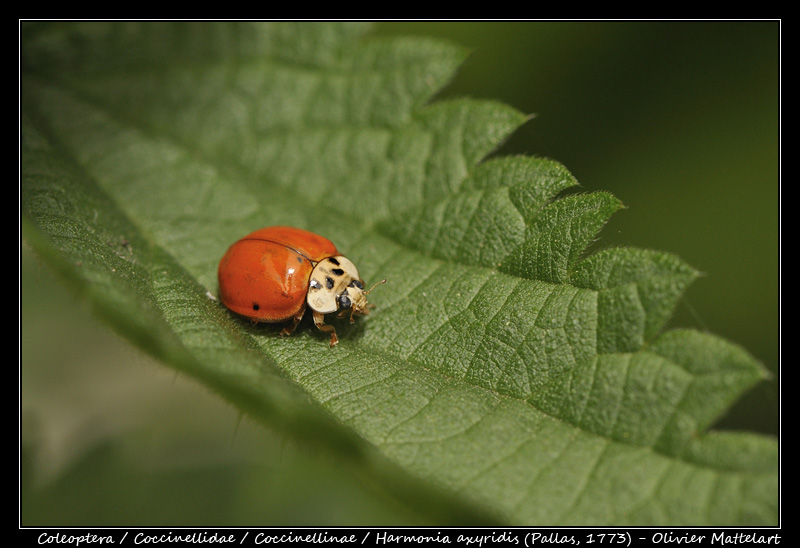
[
  {"x": 357, "y": 283},
  {"x": 256, "y": 306},
  {"x": 329, "y": 282},
  {"x": 338, "y": 271},
  {"x": 334, "y": 261},
  {"x": 299, "y": 260}
]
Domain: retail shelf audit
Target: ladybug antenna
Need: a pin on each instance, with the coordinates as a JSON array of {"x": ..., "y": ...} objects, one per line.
[{"x": 374, "y": 286}]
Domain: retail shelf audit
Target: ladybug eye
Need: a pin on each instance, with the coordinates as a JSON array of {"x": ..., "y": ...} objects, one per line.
[
  {"x": 356, "y": 283},
  {"x": 344, "y": 302}
]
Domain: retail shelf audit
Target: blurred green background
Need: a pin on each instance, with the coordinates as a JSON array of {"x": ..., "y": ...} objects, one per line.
[{"x": 679, "y": 120}]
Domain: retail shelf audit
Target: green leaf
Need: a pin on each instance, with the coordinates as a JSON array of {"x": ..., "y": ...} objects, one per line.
[{"x": 505, "y": 375}]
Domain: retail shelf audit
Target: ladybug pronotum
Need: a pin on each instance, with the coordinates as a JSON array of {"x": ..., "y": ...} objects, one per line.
[{"x": 272, "y": 274}]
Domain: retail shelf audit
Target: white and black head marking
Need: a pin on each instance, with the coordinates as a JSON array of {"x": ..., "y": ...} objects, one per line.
[{"x": 335, "y": 285}]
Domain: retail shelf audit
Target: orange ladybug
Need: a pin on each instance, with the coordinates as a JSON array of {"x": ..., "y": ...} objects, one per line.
[{"x": 272, "y": 274}]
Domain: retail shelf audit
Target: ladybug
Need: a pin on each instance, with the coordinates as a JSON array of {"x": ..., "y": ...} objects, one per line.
[{"x": 272, "y": 274}]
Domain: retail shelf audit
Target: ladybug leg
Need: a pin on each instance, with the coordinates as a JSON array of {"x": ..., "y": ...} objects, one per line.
[
  {"x": 343, "y": 313},
  {"x": 319, "y": 321},
  {"x": 295, "y": 321}
]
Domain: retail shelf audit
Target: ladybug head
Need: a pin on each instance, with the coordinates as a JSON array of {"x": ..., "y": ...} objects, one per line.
[
  {"x": 336, "y": 286},
  {"x": 355, "y": 297}
]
